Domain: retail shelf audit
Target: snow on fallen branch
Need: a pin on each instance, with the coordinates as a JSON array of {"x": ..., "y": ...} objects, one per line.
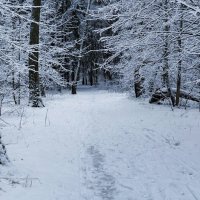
[{"x": 162, "y": 94}]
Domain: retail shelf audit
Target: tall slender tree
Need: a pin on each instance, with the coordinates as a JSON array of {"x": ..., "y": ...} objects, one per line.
[
  {"x": 83, "y": 31},
  {"x": 34, "y": 80}
]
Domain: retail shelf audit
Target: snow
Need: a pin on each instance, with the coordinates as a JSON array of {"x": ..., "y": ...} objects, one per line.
[{"x": 100, "y": 145}]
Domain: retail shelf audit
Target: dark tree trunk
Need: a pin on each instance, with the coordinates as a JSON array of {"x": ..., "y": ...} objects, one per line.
[
  {"x": 3, "y": 155},
  {"x": 178, "y": 84},
  {"x": 138, "y": 83},
  {"x": 14, "y": 87},
  {"x": 73, "y": 88},
  {"x": 34, "y": 80},
  {"x": 43, "y": 92},
  {"x": 91, "y": 77},
  {"x": 83, "y": 80}
]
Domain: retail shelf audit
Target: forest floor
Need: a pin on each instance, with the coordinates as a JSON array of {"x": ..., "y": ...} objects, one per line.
[{"x": 102, "y": 146}]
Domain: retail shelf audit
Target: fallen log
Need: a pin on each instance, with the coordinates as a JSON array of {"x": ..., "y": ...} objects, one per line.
[{"x": 162, "y": 94}]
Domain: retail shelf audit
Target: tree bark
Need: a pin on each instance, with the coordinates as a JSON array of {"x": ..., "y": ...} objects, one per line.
[
  {"x": 178, "y": 84},
  {"x": 3, "y": 155},
  {"x": 73, "y": 88},
  {"x": 166, "y": 52},
  {"x": 34, "y": 80},
  {"x": 138, "y": 83}
]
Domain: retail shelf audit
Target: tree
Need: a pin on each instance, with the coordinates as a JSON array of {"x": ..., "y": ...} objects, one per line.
[
  {"x": 179, "y": 68},
  {"x": 34, "y": 79},
  {"x": 3, "y": 154},
  {"x": 166, "y": 51},
  {"x": 157, "y": 46},
  {"x": 82, "y": 30}
]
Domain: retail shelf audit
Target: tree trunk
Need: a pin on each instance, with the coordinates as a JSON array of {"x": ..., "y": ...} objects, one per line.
[
  {"x": 178, "y": 84},
  {"x": 73, "y": 88},
  {"x": 166, "y": 53},
  {"x": 34, "y": 80},
  {"x": 138, "y": 83},
  {"x": 3, "y": 155},
  {"x": 91, "y": 76},
  {"x": 19, "y": 89},
  {"x": 42, "y": 89},
  {"x": 76, "y": 73},
  {"x": 14, "y": 87}
]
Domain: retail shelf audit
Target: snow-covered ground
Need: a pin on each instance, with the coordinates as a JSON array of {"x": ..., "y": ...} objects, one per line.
[{"x": 102, "y": 146}]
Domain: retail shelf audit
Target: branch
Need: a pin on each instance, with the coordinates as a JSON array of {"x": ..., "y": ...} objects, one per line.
[{"x": 195, "y": 9}]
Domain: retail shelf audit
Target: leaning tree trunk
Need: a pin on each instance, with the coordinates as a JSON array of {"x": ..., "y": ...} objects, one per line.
[{"x": 34, "y": 80}]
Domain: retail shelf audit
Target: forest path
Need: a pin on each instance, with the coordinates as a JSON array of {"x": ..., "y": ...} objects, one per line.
[{"x": 103, "y": 146}]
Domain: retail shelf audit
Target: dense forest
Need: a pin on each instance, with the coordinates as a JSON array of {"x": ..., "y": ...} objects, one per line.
[{"x": 149, "y": 48}]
